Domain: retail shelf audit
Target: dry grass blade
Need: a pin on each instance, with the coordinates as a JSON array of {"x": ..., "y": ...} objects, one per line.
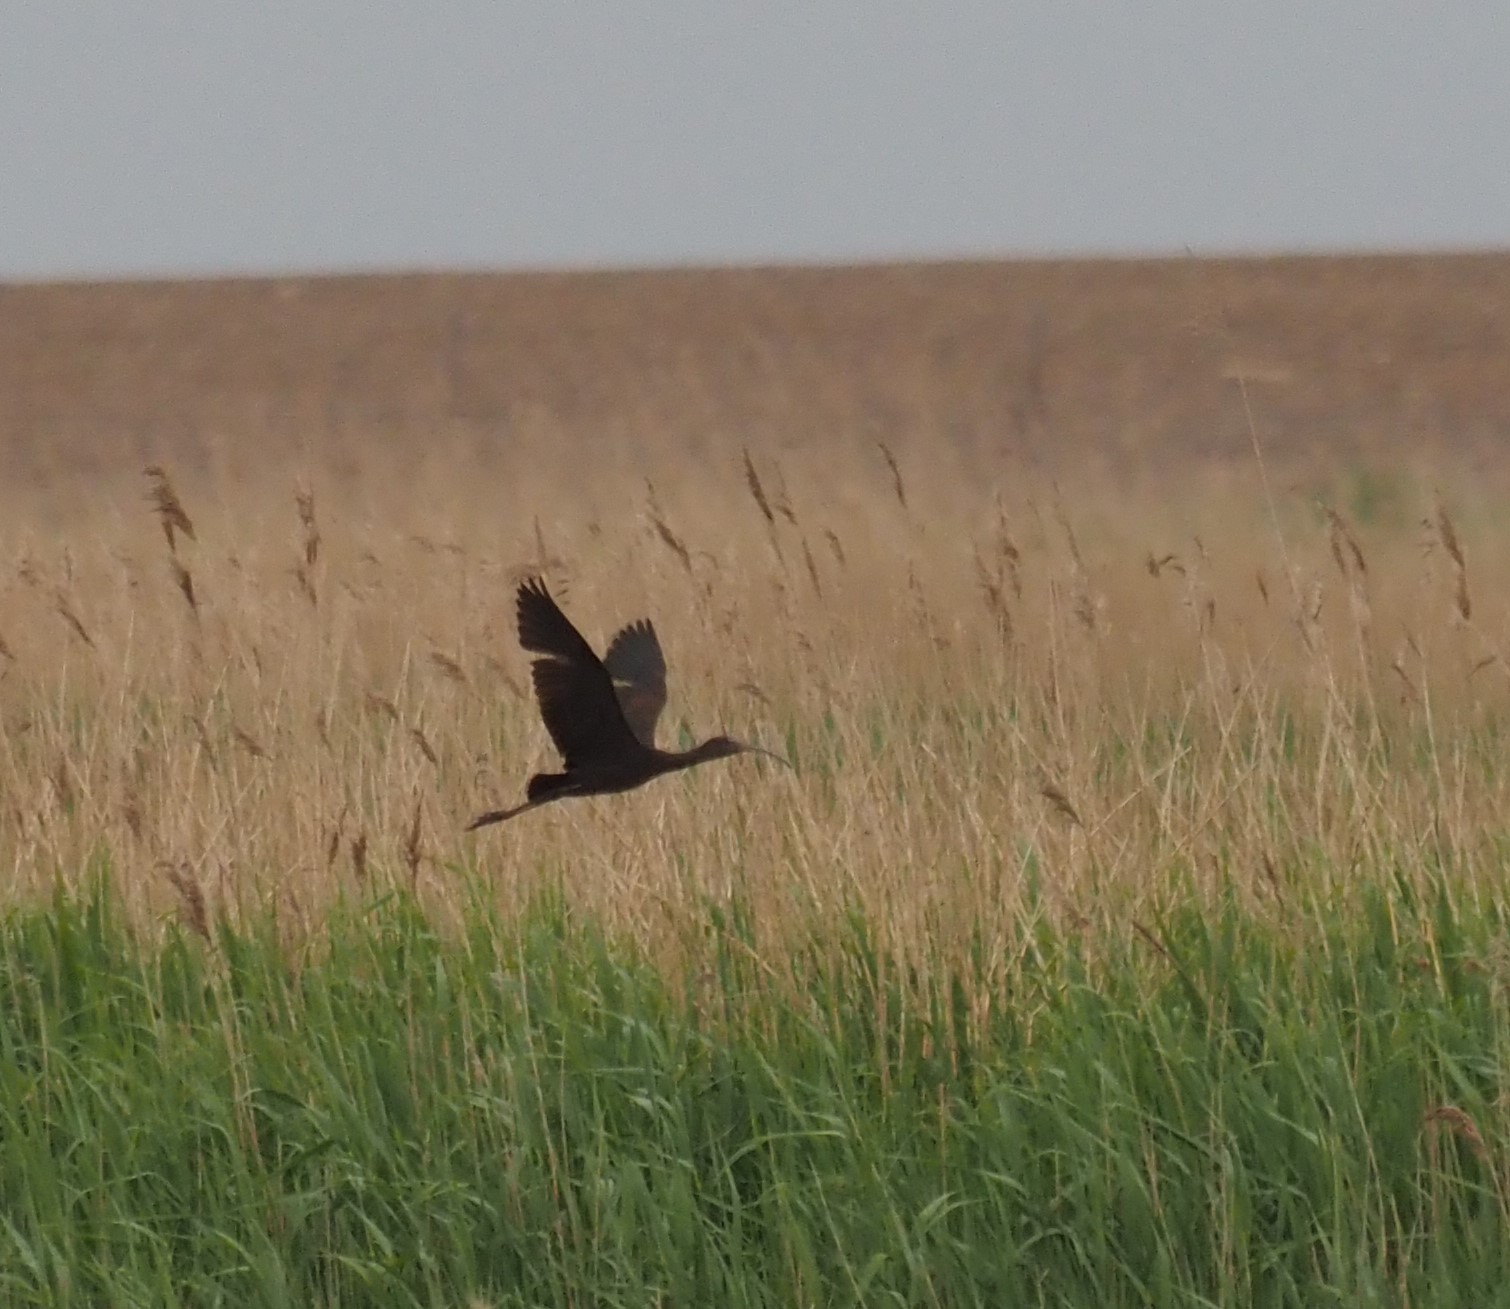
[
  {"x": 449, "y": 667},
  {"x": 918, "y": 594},
  {"x": 418, "y": 736},
  {"x": 1461, "y": 1125},
  {"x": 1153, "y": 940},
  {"x": 1060, "y": 802},
  {"x": 1168, "y": 956},
  {"x": 432, "y": 547},
  {"x": 896, "y": 473},
  {"x": 247, "y": 742},
  {"x": 996, "y": 601},
  {"x": 668, "y": 538},
  {"x": 5, "y": 651},
  {"x": 752, "y": 480},
  {"x": 1271, "y": 875},
  {"x": 1341, "y": 539},
  {"x": 380, "y": 704},
  {"x": 1007, "y": 551},
  {"x": 812, "y": 569},
  {"x": 305, "y": 500},
  {"x": 1449, "y": 538},
  {"x": 359, "y": 856},
  {"x": 192, "y": 908},
  {"x": 170, "y": 510},
  {"x": 1063, "y": 519},
  {"x": 1307, "y": 616},
  {"x": 333, "y": 842},
  {"x": 783, "y": 501},
  {"x": 835, "y": 546},
  {"x": 671, "y": 541},
  {"x": 185, "y": 581},
  {"x": 202, "y": 731},
  {"x": 75, "y": 623},
  {"x": 412, "y": 851},
  {"x": 306, "y": 583},
  {"x": 63, "y": 785},
  {"x": 131, "y": 811},
  {"x": 1448, "y": 535},
  {"x": 1398, "y": 667}
]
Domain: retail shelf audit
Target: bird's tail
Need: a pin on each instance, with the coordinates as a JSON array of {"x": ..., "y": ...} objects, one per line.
[
  {"x": 542, "y": 788},
  {"x": 548, "y": 786}
]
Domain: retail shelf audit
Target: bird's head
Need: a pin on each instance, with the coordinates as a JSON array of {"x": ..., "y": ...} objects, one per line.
[{"x": 721, "y": 747}]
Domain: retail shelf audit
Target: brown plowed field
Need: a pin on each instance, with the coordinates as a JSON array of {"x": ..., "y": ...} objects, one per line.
[{"x": 1133, "y": 363}]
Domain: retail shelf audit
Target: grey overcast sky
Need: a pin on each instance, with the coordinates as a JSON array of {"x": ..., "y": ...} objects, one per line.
[{"x": 190, "y": 137}]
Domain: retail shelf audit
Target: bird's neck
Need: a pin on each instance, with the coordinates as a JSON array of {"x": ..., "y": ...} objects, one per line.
[{"x": 690, "y": 758}]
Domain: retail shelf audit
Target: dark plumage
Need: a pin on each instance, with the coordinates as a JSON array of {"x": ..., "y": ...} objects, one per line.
[
  {"x": 638, "y": 668},
  {"x": 600, "y": 713}
]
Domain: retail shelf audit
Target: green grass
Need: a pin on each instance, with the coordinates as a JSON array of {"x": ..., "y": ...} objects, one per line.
[{"x": 1232, "y": 1109}]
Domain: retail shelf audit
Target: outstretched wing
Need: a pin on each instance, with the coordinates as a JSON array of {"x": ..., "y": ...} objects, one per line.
[
  {"x": 638, "y": 668},
  {"x": 575, "y": 691}
]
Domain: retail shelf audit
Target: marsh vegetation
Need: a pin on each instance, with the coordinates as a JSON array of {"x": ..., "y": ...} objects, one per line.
[{"x": 1132, "y": 930}]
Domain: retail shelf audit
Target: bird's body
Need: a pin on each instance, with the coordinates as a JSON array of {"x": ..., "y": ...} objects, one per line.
[{"x": 601, "y": 713}]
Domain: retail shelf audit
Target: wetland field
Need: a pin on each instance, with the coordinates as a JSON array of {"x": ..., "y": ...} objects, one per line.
[{"x": 1132, "y": 929}]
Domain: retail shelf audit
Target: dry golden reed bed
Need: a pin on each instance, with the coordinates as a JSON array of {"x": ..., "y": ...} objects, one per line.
[{"x": 1125, "y": 693}]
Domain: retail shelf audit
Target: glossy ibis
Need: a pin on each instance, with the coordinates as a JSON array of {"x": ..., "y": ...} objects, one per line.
[{"x": 601, "y": 713}]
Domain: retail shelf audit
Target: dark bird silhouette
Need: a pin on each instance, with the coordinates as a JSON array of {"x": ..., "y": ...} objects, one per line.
[{"x": 601, "y": 713}]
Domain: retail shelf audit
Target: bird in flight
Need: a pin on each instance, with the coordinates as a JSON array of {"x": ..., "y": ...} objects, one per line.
[{"x": 601, "y": 713}]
